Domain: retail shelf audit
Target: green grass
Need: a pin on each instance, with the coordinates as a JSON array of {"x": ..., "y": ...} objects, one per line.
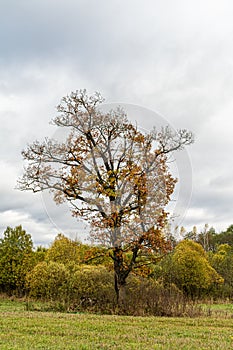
[
  {"x": 223, "y": 310},
  {"x": 21, "y": 329}
]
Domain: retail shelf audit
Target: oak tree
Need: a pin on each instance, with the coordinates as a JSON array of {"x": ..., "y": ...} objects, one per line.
[{"x": 113, "y": 175}]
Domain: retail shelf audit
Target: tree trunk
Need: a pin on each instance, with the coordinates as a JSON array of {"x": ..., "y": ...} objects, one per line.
[
  {"x": 122, "y": 271},
  {"x": 120, "y": 290},
  {"x": 121, "y": 274}
]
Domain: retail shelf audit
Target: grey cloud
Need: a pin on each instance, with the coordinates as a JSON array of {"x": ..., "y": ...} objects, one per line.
[{"x": 171, "y": 57}]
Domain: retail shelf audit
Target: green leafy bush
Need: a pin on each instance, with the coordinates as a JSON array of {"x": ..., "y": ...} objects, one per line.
[
  {"x": 191, "y": 269},
  {"x": 16, "y": 259}
]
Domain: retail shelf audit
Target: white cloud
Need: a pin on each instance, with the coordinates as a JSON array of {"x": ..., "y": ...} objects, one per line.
[{"x": 41, "y": 233}]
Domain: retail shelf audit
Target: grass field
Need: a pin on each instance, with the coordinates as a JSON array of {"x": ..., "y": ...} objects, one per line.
[{"x": 21, "y": 329}]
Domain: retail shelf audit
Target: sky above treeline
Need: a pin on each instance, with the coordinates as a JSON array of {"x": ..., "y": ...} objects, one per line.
[{"x": 164, "y": 61}]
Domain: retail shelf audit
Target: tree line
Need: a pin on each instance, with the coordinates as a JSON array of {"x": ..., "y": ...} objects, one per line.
[{"x": 79, "y": 276}]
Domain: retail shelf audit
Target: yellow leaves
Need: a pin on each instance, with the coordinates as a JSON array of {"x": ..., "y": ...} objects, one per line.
[
  {"x": 92, "y": 281},
  {"x": 139, "y": 138},
  {"x": 96, "y": 255},
  {"x": 189, "y": 245},
  {"x": 73, "y": 179},
  {"x": 144, "y": 270},
  {"x": 48, "y": 280},
  {"x": 192, "y": 269},
  {"x": 106, "y": 184},
  {"x": 156, "y": 241},
  {"x": 110, "y": 221},
  {"x": 109, "y": 192},
  {"x": 64, "y": 250}
]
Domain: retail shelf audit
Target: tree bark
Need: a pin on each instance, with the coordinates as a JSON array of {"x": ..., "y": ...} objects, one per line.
[{"x": 121, "y": 274}]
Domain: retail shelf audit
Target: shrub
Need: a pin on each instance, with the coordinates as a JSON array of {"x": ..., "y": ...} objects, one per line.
[
  {"x": 192, "y": 270},
  {"x": 92, "y": 288},
  {"x": 48, "y": 281},
  {"x": 76, "y": 287},
  {"x": 145, "y": 296}
]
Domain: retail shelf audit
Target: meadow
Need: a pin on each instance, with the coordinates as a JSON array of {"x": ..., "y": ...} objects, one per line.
[{"x": 22, "y": 329}]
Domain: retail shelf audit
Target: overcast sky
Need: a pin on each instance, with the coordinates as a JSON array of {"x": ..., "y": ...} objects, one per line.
[{"x": 171, "y": 57}]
